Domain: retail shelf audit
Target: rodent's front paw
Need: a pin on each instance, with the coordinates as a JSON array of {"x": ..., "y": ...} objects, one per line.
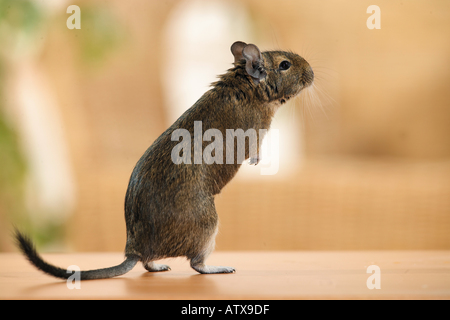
[{"x": 254, "y": 160}]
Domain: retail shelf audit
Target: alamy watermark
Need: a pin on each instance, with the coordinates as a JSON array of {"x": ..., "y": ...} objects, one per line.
[
  {"x": 235, "y": 140},
  {"x": 74, "y": 281},
  {"x": 374, "y": 281},
  {"x": 74, "y": 21},
  {"x": 373, "y": 22}
]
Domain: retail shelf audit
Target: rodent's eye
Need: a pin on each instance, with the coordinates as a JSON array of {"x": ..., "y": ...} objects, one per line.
[{"x": 284, "y": 65}]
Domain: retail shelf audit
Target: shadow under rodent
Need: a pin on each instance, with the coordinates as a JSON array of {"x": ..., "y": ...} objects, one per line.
[{"x": 169, "y": 207}]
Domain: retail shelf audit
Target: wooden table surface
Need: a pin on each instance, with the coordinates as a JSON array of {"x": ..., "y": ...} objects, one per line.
[{"x": 259, "y": 275}]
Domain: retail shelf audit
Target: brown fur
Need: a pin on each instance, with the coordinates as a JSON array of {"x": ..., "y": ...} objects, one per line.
[{"x": 169, "y": 208}]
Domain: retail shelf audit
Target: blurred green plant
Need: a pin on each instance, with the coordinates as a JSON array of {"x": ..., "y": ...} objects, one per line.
[
  {"x": 15, "y": 16},
  {"x": 100, "y": 34},
  {"x": 22, "y": 15},
  {"x": 13, "y": 171}
]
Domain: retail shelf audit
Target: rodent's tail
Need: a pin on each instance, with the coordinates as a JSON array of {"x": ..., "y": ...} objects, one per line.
[{"x": 28, "y": 249}]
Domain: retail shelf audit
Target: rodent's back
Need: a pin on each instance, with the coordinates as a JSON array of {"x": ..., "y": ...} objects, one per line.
[{"x": 163, "y": 196}]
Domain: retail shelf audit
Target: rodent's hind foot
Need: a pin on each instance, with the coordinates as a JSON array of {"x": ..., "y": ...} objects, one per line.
[
  {"x": 156, "y": 267},
  {"x": 212, "y": 269}
]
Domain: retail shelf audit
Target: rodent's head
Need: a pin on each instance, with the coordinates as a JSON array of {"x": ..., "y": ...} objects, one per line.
[{"x": 280, "y": 75}]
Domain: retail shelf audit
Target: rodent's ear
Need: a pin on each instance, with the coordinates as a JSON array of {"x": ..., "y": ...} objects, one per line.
[
  {"x": 236, "y": 50},
  {"x": 254, "y": 65}
]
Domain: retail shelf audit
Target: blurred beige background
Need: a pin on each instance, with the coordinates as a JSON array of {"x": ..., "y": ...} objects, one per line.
[{"x": 364, "y": 155}]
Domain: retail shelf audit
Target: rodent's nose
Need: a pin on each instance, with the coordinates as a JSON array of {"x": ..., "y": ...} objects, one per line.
[
  {"x": 311, "y": 71},
  {"x": 308, "y": 76}
]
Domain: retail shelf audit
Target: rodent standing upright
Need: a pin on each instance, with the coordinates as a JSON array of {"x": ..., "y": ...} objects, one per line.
[{"x": 169, "y": 207}]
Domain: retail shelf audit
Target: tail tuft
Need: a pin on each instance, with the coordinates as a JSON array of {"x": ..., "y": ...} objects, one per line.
[{"x": 28, "y": 249}]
